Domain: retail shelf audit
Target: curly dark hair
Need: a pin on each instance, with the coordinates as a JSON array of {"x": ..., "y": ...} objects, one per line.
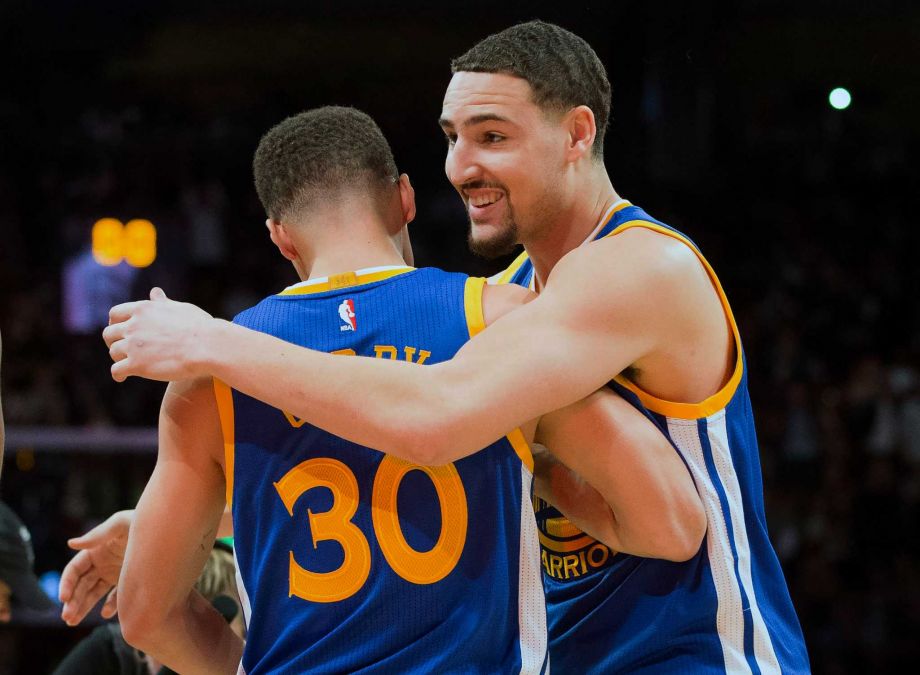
[
  {"x": 320, "y": 151},
  {"x": 561, "y": 68}
]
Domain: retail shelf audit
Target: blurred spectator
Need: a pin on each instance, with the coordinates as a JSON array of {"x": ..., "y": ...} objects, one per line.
[{"x": 19, "y": 587}]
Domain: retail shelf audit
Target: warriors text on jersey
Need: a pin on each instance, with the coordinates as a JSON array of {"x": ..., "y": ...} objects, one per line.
[
  {"x": 351, "y": 561},
  {"x": 727, "y": 610}
]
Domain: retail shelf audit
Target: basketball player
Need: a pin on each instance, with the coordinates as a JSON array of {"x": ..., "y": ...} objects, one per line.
[
  {"x": 623, "y": 298},
  {"x": 403, "y": 567}
]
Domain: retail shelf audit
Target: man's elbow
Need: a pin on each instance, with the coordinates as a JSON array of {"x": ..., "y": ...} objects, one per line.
[
  {"x": 687, "y": 532},
  {"x": 141, "y": 618},
  {"x": 432, "y": 439},
  {"x": 426, "y": 444}
]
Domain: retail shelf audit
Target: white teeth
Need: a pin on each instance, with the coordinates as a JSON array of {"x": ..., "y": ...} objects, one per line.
[{"x": 484, "y": 199}]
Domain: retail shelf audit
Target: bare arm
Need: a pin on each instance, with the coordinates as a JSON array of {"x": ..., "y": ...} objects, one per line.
[
  {"x": 641, "y": 498},
  {"x": 597, "y": 315},
  {"x": 171, "y": 536}
]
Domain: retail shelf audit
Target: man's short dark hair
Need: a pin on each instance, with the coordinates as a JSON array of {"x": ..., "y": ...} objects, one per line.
[
  {"x": 319, "y": 152},
  {"x": 561, "y": 68}
]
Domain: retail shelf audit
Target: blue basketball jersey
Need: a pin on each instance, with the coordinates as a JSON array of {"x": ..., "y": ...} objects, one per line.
[
  {"x": 727, "y": 610},
  {"x": 352, "y": 561}
]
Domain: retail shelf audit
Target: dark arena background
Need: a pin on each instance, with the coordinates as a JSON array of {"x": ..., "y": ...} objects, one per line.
[{"x": 135, "y": 119}]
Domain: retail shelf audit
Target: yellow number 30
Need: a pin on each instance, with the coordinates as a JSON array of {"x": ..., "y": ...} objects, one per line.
[{"x": 418, "y": 567}]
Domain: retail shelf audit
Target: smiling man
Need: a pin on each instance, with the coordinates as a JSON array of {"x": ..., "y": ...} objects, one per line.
[{"x": 624, "y": 299}]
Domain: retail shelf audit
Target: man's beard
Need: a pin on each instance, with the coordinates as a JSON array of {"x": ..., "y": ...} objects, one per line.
[
  {"x": 495, "y": 247},
  {"x": 509, "y": 237}
]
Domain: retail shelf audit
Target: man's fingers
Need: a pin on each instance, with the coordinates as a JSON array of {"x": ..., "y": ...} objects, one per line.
[
  {"x": 157, "y": 293},
  {"x": 79, "y": 565},
  {"x": 114, "y": 332},
  {"x": 124, "y": 311},
  {"x": 85, "y": 540},
  {"x": 76, "y": 610},
  {"x": 81, "y": 542},
  {"x": 110, "y": 608},
  {"x": 118, "y": 351},
  {"x": 96, "y": 535},
  {"x": 121, "y": 371}
]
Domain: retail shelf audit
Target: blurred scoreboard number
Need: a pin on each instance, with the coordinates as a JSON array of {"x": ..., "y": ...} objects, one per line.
[{"x": 135, "y": 243}]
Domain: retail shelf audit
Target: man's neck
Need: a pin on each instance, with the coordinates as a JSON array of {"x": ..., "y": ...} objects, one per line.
[
  {"x": 329, "y": 262},
  {"x": 572, "y": 227},
  {"x": 348, "y": 234}
]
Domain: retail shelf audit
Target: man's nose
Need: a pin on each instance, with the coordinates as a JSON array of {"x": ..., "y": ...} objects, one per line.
[{"x": 461, "y": 164}]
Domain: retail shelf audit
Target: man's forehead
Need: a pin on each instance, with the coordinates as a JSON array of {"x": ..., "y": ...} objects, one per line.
[{"x": 475, "y": 94}]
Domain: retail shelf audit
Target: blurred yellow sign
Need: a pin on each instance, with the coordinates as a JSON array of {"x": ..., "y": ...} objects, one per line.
[{"x": 134, "y": 243}]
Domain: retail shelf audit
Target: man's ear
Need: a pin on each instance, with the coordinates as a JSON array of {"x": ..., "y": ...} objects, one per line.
[
  {"x": 582, "y": 131},
  {"x": 406, "y": 198},
  {"x": 280, "y": 238}
]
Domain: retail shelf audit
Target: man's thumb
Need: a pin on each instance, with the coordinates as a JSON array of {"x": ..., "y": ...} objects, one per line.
[{"x": 156, "y": 293}]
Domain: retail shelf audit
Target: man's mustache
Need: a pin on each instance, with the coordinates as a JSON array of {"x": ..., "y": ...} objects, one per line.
[{"x": 479, "y": 184}]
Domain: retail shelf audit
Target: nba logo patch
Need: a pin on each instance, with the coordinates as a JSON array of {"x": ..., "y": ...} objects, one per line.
[{"x": 347, "y": 315}]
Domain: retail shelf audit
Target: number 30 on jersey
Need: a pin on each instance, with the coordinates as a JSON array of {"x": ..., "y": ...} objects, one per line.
[{"x": 418, "y": 567}]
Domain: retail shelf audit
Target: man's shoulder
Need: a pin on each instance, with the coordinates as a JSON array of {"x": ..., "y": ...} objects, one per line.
[
  {"x": 637, "y": 254},
  {"x": 499, "y": 300}
]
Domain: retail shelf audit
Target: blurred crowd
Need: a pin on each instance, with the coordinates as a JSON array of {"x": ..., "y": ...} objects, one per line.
[{"x": 813, "y": 238}]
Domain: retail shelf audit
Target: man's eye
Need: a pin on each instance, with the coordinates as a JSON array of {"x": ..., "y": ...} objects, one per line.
[
  {"x": 493, "y": 138},
  {"x": 451, "y": 139}
]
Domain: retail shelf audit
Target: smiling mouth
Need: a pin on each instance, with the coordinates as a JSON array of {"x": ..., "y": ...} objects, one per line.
[{"x": 484, "y": 198}]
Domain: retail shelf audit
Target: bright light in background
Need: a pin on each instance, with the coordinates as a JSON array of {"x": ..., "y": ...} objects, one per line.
[
  {"x": 134, "y": 243},
  {"x": 840, "y": 98}
]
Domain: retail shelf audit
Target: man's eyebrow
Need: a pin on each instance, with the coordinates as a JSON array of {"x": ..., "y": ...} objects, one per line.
[{"x": 474, "y": 120}]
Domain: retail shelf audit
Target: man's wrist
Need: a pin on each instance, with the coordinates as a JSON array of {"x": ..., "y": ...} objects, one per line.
[{"x": 204, "y": 357}]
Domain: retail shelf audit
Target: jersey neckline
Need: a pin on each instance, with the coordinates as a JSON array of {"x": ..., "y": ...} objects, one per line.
[{"x": 334, "y": 282}]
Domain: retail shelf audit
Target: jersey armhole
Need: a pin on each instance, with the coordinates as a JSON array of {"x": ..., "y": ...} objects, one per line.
[
  {"x": 224, "y": 397},
  {"x": 721, "y": 398},
  {"x": 472, "y": 305}
]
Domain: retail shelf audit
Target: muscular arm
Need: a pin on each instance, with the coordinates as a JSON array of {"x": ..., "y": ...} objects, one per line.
[
  {"x": 599, "y": 313},
  {"x": 170, "y": 539},
  {"x": 641, "y": 498}
]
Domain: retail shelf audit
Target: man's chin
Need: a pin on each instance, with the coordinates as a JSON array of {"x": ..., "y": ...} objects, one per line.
[{"x": 496, "y": 243}]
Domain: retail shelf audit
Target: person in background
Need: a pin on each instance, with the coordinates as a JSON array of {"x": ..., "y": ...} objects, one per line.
[{"x": 19, "y": 587}]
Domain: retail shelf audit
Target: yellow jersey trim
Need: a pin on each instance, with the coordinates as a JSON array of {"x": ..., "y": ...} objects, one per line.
[
  {"x": 511, "y": 270},
  {"x": 505, "y": 276},
  {"x": 472, "y": 304},
  {"x": 224, "y": 398},
  {"x": 345, "y": 280},
  {"x": 521, "y": 448},
  {"x": 718, "y": 401}
]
